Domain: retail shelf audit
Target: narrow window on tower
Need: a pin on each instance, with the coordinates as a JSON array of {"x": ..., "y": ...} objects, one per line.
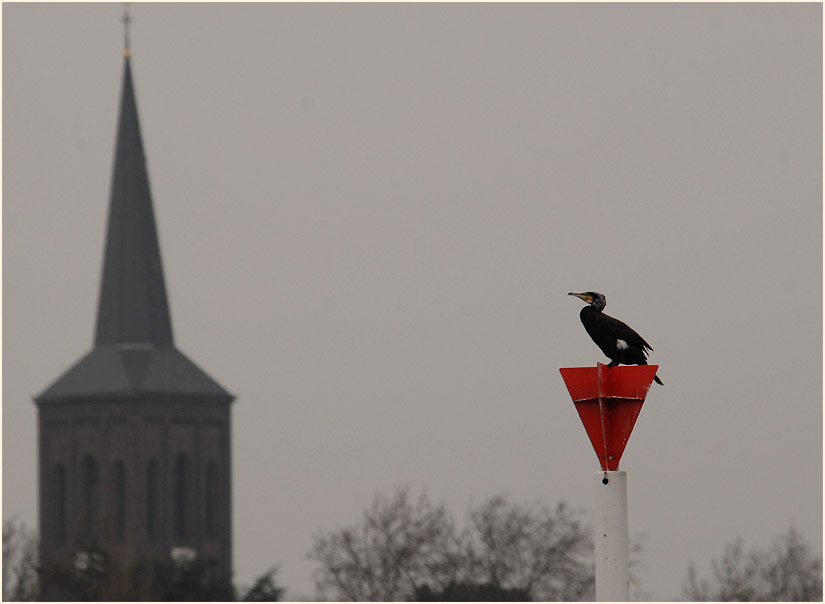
[
  {"x": 181, "y": 486},
  {"x": 59, "y": 484},
  {"x": 152, "y": 491},
  {"x": 119, "y": 481},
  {"x": 211, "y": 500},
  {"x": 90, "y": 496}
]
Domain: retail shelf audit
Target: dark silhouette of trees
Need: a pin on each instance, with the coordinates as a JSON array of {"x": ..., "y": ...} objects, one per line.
[
  {"x": 405, "y": 550},
  {"x": 787, "y": 571},
  {"x": 471, "y": 592},
  {"x": 399, "y": 545},
  {"x": 198, "y": 580},
  {"x": 264, "y": 589},
  {"x": 101, "y": 578},
  {"x": 545, "y": 553}
]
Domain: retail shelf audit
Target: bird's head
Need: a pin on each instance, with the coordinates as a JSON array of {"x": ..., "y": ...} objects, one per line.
[{"x": 594, "y": 299}]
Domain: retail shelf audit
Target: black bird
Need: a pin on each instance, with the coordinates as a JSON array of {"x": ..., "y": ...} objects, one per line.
[{"x": 617, "y": 340}]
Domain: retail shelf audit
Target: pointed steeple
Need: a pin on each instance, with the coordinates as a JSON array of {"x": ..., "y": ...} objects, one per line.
[
  {"x": 134, "y": 355},
  {"x": 133, "y": 308}
]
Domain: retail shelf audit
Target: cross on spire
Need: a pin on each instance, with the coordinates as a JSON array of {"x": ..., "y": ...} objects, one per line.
[{"x": 127, "y": 20}]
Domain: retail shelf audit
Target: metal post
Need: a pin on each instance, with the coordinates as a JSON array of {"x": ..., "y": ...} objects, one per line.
[{"x": 611, "y": 538}]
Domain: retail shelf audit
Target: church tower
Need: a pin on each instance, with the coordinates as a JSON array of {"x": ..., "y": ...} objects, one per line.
[{"x": 134, "y": 439}]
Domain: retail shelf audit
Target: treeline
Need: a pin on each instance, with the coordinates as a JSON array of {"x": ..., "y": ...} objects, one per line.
[
  {"x": 407, "y": 548},
  {"x": 101, "y": 578}
]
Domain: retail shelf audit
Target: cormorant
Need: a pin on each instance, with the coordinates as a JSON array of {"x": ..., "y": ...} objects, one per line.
[{"x": 617, "y": 340}]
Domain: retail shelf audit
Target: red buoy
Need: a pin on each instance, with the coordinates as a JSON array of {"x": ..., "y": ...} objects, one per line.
[{"x": 609, "y": 400}]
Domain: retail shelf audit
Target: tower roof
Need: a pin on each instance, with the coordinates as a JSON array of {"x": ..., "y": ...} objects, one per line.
[{"x": 134, "y": 353}]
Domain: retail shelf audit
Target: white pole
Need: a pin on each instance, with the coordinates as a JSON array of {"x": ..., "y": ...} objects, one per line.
[{"x": 612, "y": 544}]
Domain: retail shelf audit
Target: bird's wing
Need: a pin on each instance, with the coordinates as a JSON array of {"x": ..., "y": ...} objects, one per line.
[{"x": 625, "y": 332}]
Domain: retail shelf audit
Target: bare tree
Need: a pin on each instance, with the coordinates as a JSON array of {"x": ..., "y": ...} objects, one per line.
[
  {"x": 398, "y": 545},
  {"x": 788, "y": 571},
  {"x": 20, "y": 563},
  {"x": 404, "y": 551},
  {"x": 547, "y": 554}
]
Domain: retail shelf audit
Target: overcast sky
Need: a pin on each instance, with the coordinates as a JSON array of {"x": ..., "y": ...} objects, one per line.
[{"x": 370, "y": 217}]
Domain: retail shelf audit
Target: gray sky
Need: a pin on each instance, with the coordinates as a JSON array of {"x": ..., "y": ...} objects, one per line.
[{"x": 370, "y": 217}]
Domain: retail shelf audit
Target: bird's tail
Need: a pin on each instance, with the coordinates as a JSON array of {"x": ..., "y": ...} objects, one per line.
[{"x": 655, "y": 377}]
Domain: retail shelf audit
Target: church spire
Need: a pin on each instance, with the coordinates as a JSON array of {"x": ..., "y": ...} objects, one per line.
[
  {"x": 133, "y": 307},
  {"x": 134, "y": 354}
]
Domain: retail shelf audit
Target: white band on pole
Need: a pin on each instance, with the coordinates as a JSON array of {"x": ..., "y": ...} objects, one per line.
[{"x": 611, "y": 537}]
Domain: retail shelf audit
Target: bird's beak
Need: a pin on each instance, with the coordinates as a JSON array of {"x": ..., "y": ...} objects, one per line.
[{"x": 584, "y": 297}]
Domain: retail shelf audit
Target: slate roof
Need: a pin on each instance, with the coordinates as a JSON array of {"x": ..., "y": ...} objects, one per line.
[
  {"x": 133, "y": 305},
  {"x": 117, "y": 373},
  {"x": 134, "y": 353}
]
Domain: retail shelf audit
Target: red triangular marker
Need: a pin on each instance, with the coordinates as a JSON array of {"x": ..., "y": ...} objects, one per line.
[{"x": 609, "y": 400}]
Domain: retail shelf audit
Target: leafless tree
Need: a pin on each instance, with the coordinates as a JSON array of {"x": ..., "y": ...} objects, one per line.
[
  {"x": 546, "y": 553},
  {"x": 20, "y": 563},
  {"x": 787, "y": 571},
  {"x": 398, "y": 544},
  {"x": 402, "y": 550}
]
